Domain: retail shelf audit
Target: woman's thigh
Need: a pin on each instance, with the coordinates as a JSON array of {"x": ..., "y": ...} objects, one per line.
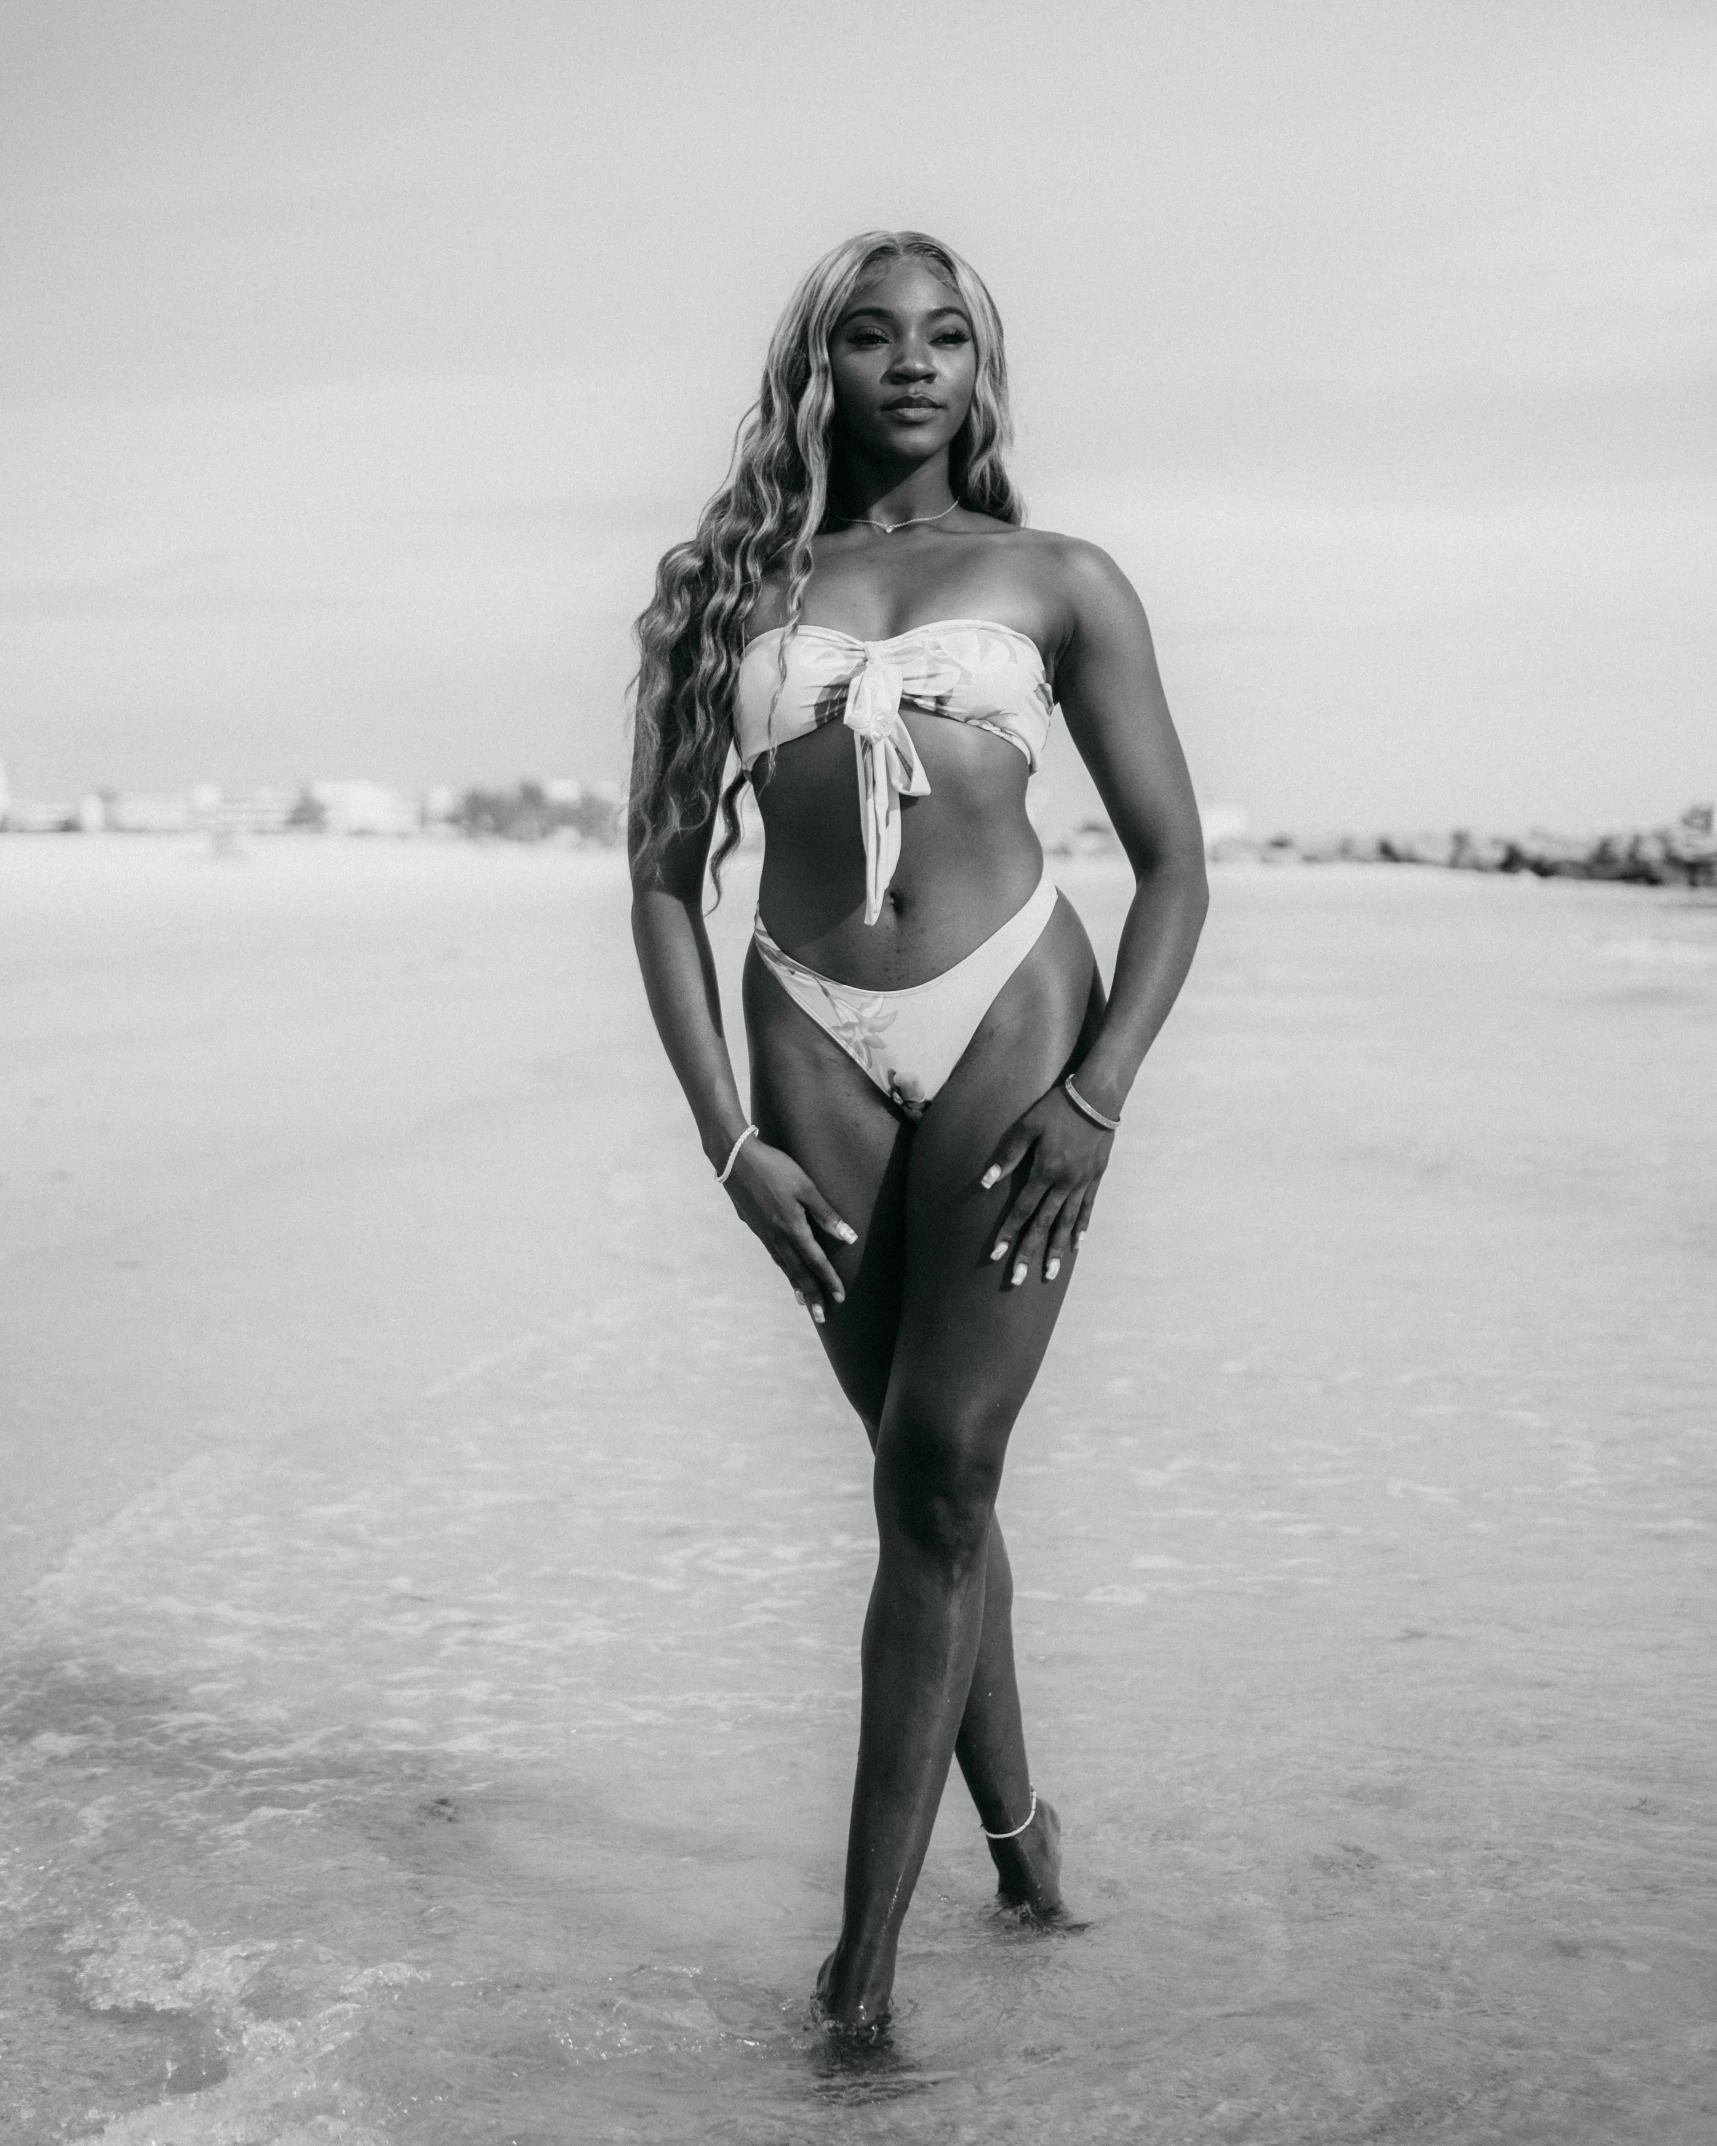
[
  {"x": 967, "y": 1344},
  {"x": 927, "y": 1315},
  {"x": 811, "y": 1099}
]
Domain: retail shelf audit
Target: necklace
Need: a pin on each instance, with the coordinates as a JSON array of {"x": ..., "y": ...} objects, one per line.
[{"x": 888, "y": 528}]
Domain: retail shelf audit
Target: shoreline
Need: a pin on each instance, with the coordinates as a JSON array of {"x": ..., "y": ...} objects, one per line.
[{"x": 1683, "y": 855}]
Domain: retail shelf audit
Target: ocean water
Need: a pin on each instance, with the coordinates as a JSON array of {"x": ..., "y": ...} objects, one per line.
[{"x": 429, "y": 1675}]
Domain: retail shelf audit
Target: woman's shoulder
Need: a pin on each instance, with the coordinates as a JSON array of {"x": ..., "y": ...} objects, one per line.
[
  {"x": 1079, "y": 576},
  {"x": 768, "y": 605},
  {"x": 1075, "y": 559}
]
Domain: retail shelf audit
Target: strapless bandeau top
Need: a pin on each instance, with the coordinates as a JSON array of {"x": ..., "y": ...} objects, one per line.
[{"x": 966, "y": 669}]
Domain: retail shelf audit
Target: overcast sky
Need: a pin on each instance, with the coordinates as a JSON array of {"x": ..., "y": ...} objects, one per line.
[{"x": 357, "y": 361}]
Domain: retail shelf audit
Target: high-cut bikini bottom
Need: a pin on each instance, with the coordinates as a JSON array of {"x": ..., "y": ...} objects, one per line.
[{"x": 910, "y": 1041}]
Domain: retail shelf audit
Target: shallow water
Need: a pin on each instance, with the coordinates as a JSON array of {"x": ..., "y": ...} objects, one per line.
[{"x": 430, "y": 1670}]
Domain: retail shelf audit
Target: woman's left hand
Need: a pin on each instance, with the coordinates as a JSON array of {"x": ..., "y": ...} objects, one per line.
[{"x": 1051, "y": 1211}]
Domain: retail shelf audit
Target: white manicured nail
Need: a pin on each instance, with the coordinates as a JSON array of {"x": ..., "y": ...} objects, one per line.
[
  {"x": 846, "y": 1233},
  {"x": 1018, "y": 1274},
  {"x": 1052, "y": 1270},
  {"x": 798, "y": 1296},
  {"x": 1078, "y": 1239},
  {"x": 818, "y": 1314},
  {"x": 989, "y": 1177},
  {"x": 1001, "y": 1251}
]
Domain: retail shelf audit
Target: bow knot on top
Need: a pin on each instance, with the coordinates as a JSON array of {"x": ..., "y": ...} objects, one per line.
[{"x": 888, "y": 769}]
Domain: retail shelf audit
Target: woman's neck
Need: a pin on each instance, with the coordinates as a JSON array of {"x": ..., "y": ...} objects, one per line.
[{"x": 863, "y": 492}]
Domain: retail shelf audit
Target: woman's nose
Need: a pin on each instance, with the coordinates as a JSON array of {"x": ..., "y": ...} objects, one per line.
[{"x": 912, "y": 363}]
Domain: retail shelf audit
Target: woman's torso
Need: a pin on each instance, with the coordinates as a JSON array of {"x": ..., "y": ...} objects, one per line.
[{"x": 968, "y": 854}]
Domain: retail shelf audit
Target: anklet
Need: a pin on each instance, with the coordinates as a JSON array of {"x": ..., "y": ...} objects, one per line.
[{"x": 1017, "y": 1830}]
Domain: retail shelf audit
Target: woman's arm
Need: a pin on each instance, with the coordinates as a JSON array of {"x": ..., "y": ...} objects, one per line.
[
  {"x": 1112, "y": 696},
  {"x": 771, "y": 1192}
]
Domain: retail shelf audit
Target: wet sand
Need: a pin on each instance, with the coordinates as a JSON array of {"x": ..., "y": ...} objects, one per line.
[{"x": 434, "y": 1552}]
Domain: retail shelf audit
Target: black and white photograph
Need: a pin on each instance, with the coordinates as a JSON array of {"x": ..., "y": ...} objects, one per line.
[{"x": 858, "y": 1073}]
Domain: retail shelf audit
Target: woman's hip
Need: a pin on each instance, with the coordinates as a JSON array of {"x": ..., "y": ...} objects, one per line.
[{"x": 908, "y": 1041}]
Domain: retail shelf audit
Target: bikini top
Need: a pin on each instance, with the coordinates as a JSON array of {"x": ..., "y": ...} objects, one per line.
[{"x": 967, "y": 669}]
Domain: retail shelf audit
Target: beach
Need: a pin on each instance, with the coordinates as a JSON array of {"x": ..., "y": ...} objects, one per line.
[{"x": 434, "y": 1550}]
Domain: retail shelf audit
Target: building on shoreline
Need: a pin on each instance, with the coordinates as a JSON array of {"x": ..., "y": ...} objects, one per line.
[
  {"x": 559, "y": 809},
  {"x": 356, "y": 806}
]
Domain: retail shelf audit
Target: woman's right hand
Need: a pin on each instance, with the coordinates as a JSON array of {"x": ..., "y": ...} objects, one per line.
[{"x": 786, "y": 1210}]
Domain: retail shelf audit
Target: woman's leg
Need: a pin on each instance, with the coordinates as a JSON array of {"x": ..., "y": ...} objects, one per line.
[
  {"x": 810, "y": 1098},
  {"x": 990, "y": 1748},
  {"x": 966, "y": 1350}
]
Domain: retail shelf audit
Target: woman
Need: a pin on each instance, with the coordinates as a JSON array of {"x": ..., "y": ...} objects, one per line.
[{"x": 936, "y": 1077}]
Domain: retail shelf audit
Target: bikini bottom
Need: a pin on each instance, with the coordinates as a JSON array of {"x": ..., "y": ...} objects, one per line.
[{"x": 910, "y": 1041}]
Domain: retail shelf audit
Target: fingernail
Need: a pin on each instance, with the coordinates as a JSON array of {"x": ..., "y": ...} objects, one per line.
[
  {"x": 1078, "y": 1239},
  {"x": 1052, "y": 1270},
  {"x": 840, "y": 1296},
  {"x": 846, "y": 1233},
  {"x": 989, "y": 1177},
  {"x": 1000, "y": 1252},
  {"x": 818, "y": 1314},
  {"x": 1018, "y": 1274},
  {"x": 798, "y": 1296}
]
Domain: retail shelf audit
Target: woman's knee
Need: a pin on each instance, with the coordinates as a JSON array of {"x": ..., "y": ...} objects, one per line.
[
  {"x": 937, "y": 1476},
  {"x": 998, "y": 1575}
]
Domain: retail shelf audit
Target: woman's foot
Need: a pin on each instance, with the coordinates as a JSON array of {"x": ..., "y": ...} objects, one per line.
[
  {"x": 1028, "y": 1867},
  {"x": 853, "y": 2006}
]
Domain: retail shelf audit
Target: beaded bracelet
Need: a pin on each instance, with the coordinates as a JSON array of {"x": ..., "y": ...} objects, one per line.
[{"x": 726, "y": 1170}]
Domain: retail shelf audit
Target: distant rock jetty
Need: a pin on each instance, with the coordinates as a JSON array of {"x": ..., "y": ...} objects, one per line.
[{"x": 1684, "y": 854}]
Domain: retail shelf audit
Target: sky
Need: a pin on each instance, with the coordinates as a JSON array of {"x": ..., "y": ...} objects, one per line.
[{"x": 357, "y": 362}]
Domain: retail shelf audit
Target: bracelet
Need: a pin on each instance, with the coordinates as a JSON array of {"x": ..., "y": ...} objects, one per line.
[
  {"x": 726, "y": 1170},
  {"x": 1086, "y": 1110}
]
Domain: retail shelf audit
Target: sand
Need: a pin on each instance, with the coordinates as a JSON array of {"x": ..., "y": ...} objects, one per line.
[{"x": 434, "y": 1551}]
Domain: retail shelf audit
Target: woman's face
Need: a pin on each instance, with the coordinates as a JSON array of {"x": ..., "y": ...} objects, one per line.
[{"x": 904, "y": 363}]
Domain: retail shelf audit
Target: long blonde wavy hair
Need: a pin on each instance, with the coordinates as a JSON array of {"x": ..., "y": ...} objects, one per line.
[{"x": 691, "y": 635}]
